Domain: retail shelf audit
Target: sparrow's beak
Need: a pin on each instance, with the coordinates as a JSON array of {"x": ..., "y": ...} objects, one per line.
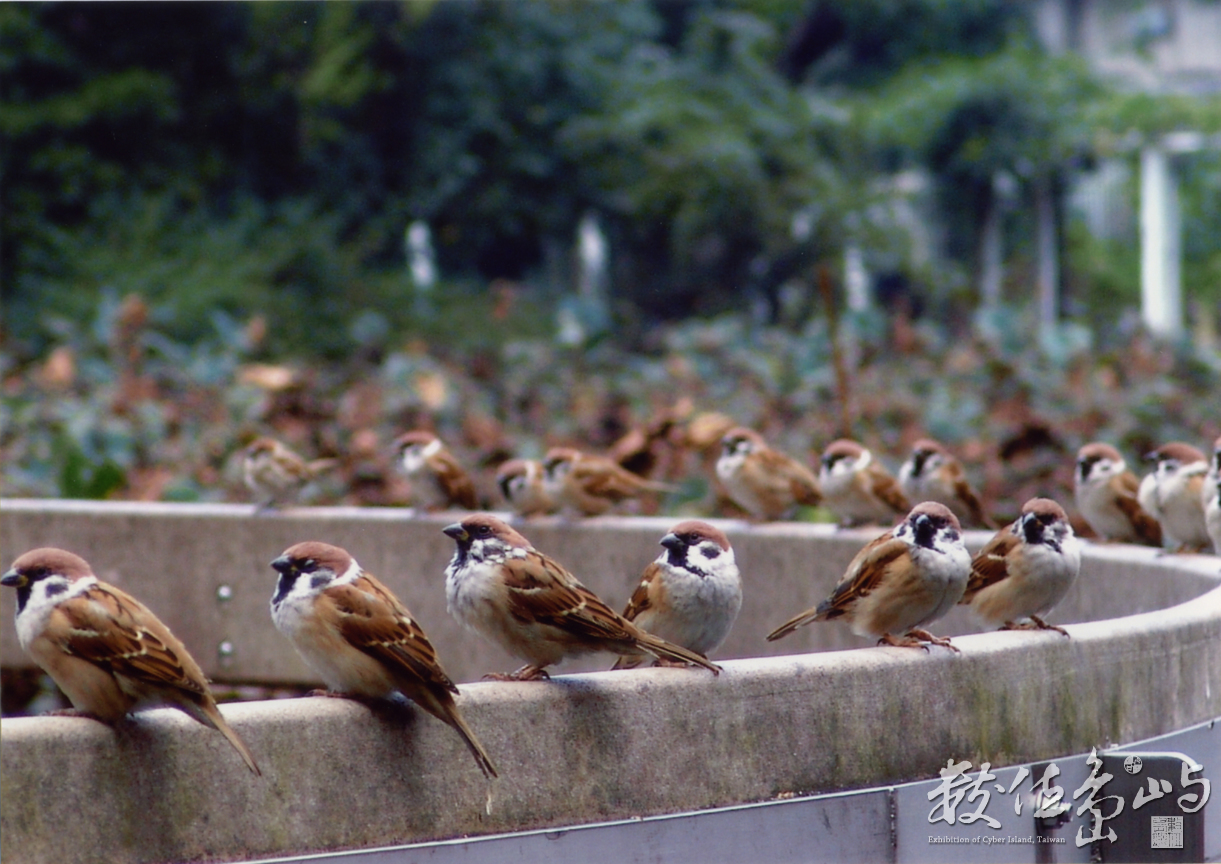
[
  {"x": 1151, "y": 457},
  {"x": 673, "y": 542},
  {"x": 283, "y": 564},
  {"x": 457, "y": 532},
  {"x": 13, "y": 579},
  {"x": 1032, "y": 528}
]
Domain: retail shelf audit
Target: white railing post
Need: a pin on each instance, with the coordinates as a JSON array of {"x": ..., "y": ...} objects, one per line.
[{"x": 1160, "y": 285}]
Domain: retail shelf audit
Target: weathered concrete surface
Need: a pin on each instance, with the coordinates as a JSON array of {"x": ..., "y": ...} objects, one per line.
[
  {"x": 599, "y": 746},
  {"x": 176, "y": 557},
  {"x": 580, "y": 748}
]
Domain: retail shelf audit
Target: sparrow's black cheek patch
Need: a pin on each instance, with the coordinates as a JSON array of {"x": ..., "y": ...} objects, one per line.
[
  {"x": 283, "y": 587},
  {"x": 710, "y": 552},
  {"x": 54, "y": 588},
  {"x": 319, "y": 580}
]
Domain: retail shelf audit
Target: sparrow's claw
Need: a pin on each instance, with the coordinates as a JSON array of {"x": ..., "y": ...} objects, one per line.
[
  {"x": 1043, "y": 625},
  {"x": 74, "y": 712},
  {"x": 678, "y": 664},
  {"x": 901, "y": 641},
  {"x": 943, "y": 641},
  {"x": 525, "y": 673}
]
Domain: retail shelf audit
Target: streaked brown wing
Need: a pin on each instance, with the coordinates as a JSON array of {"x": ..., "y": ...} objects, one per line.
[
  {"x": 1148, "y": 529},
  {"x": 967, "y": 495},
  {"x": 454, "y": 480},
  {"x": 373, "y": 620},
  {"x": 863, "y": 575},
  {"x": 991, "y": 564},
  {"x": 605, "y": 479},
  {"x": 785, "y": 475},
  {"x": 887, "y": 488},
  {"x": 111, "y": 628},
  {"x": 541, "y": 591},
  {"x": 1129, "y": 484},
  {"x": 641, "y": 599}
]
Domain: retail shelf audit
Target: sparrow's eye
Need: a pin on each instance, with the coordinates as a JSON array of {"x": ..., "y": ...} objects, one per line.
[{"x": 483, "y": 530}]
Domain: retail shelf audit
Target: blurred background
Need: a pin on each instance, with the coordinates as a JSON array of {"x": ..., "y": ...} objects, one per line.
[{"x": 539, "y": 222}]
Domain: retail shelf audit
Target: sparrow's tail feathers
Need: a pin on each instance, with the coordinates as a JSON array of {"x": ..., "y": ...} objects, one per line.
[
  {"x": 441, "y": 705},
  {"x": 472, "y": 743},
  {"x": 793, "y": 623},
  {"x": 211, "y": 716},
  {"x": 317, "y": 466},
  {"x": 669, "y": 651}
]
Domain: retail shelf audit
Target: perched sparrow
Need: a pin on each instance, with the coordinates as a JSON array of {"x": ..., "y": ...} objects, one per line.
[
  {"x": 690, "y": 595},
  {"x": 591, "y": 485},
  {"x": 1173, "y": 494},
  {"x": 932, "y": 473},
  {"x": 104, "y": 648},
  {"x": 437, "y": 480},
  {"x": 1106, "y": 497},
  {"x": 357, "y": 635},
  {"x": 908, "y": 577},
  {"x": 637, "y": 449},
  {"x": 1026, "y": 569},
  {"x": 521, "y": 484},
  {"x": 1211, "y": 496},
  {"x": 1212, "y": 513},
  {"x": 498, "y": 585},
  {"x": 858, "y": 488},
  {"x": 764, "y": 482},
  {"x": 276, "y": 474}
]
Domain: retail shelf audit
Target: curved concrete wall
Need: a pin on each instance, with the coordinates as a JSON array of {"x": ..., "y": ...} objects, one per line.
[{"x": 582, "y": 747}]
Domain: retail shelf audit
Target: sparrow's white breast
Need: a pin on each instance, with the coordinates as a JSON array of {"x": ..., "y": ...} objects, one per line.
[{"x": 700, "y": 610}]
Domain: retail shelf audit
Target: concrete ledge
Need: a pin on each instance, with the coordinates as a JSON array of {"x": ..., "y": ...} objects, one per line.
[
  {"x": 593, "y": 747},
  {"x": 589, "y": 747}
]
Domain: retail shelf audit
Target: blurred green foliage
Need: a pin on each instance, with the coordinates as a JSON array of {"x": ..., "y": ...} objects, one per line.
[{"x": 266, "y": 159}]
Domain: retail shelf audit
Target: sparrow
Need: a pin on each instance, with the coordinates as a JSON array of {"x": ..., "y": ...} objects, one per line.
[
  {"x": 637, "y": 449},
  {"x": 1211, "y": 496},
  {"x": 438, "y": 482},
  {"x": 501, "y": 587},
  {"x": 104, "y": 648},
  {"x": 591, "y": 485},
  {"x": 1212, "y": 512},
  {"x": 521, "y": 484},
  {"x": 1173, "y": 494},
  {"x": 764, "y": 482},
  {"x": 1025, "y": 569},
  {"x": 857, "y": 488},
  {"x": 932, "y": 473},
  {"x": 352, "y": 631},
  {"x": 690, "y": 595},
  {"x": 275, "y": 474},
  {"x": 910, "y": 576},
  {"x": 1106, "y": 497}
]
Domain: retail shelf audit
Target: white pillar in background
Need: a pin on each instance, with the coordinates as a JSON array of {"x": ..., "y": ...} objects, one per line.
[
  {"x": 591, "y": 252},
  {"x": 1161, "y": 289},
  {"x": 1048, "y": 251},
  {"x": 991, "y": 253},
  {"x": 856, "y": 279},
  {"x": 421, "y": 257}
]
